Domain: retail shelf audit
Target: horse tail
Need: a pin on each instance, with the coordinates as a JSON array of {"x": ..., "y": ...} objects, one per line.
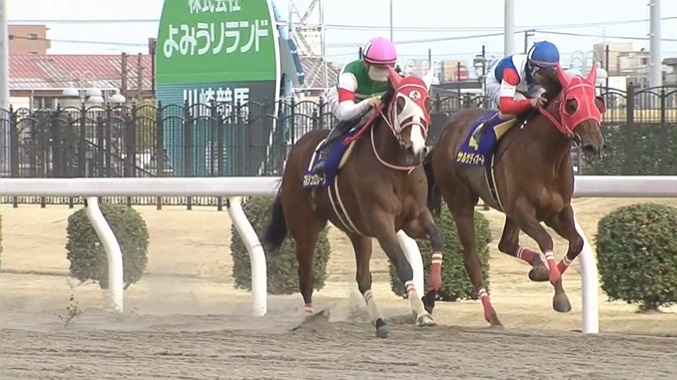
[
  {"x": 434, "y": 194},
  {"x": 276, "y": 231}
]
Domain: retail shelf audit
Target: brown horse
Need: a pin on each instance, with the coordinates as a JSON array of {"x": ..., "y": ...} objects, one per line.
[
  {"x": 377, "y": 187},
  {"x": 528, "y": 175}
]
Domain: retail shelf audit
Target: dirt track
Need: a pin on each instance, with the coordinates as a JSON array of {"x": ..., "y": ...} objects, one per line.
[
  {"x": 185, "y": 321},
  {"x": 197, "y": 347}
]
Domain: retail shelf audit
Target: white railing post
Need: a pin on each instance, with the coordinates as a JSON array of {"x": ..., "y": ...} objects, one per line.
[
  {"x": 113, "y": 253},
  {"x": 256, "y": 256},
  {"x": 589, "y": 286},
  {"x": 413, "y": 255}
]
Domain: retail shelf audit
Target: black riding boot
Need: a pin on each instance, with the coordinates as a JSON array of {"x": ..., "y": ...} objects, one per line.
[{"x": 318, "y": 169}]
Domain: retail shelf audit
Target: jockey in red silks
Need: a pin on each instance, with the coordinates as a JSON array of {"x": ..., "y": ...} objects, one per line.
[
  {"x": 513, "y": 83},
  {"x": 359, "y": 88}
]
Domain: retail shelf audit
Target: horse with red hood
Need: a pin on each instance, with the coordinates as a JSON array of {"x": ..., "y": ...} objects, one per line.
[{"x": 523, "y": 168}]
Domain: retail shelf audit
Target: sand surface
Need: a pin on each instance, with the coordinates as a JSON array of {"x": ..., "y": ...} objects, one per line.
[{"x": 185, "y": 320}]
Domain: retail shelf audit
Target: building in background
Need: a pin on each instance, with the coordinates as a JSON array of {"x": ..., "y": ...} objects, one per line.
[
  {"x": 624, "y": 60},
  {"x": 38, "y": 81},
  {"x": 453, "y": 71},
  {"x": 671, "y": 75},
  {"x": 28, "y": 39}
]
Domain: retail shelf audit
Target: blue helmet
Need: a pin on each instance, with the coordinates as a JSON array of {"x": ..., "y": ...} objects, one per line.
[{"x": 543, "y": 54}]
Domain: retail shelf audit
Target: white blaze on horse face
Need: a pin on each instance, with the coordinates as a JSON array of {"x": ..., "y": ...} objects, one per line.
[
  {"x": 413, "y": 115},
  {"x": 417, "y": 139}
]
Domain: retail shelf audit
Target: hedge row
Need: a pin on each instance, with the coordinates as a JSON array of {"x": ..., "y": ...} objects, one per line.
[
  {"x": 637, "y": 150},
  {"x": 86, "y": 253},
  {"x": 282, "y": 268},
  {"x": 637, "y": 255}
]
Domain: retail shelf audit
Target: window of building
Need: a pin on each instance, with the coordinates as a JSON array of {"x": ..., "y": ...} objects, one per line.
[
  {"x": 32, "y": 36},
  {"x": 40, "y": 102}
]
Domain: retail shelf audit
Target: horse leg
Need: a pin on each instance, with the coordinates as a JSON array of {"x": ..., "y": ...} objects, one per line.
[
  {"x": 305, "y": 227},
  {"x": 363, "y": 249},
  {"x": 422, "y": 227},
  {"x": 305, "y": 253},
  {"x": 565, "y": 226},
  {"x": 527, "y": 221},
  {"x": 462, "y": 208},
  {"x": 383, "y": 227},
  {"x": 509, "y": 244}
]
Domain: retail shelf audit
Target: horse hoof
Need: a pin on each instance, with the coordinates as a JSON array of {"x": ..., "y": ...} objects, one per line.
[
  {"x": 428, "y": 302},
  {"x": 494, "y": 322},
  {"x": 561, "y": 304},
  {"x": 496, "y": 325},
  {"x": 425, "y": 320},
  {"x": 539, "y": 273},
  {"x": 383, "y": 331}
]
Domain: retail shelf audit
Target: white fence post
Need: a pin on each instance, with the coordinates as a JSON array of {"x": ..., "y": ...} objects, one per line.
[
  {"x": 256, "y": 255},
  {"x": 589, "y": 286},
  {"x": 113, "y": 253}
]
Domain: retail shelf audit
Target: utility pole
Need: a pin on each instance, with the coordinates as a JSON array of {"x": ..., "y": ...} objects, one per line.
[
  {"x": 139, "y": 76},
  {"x": 656, "y": 64},
  {"x": 124, "y": 72},
  {"x": 5, "y": 131},
  {"x": 391, "y": 20},
  {"x": 430, "y": 59},
  {"x": 527, "y": 34},
  {"x": 323, "y": 37},
  {"x": 509, "y": 28},
  {"x": 484, "y": 61}
]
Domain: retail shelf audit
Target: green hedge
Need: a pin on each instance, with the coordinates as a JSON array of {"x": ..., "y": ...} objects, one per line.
[
  {"x": 86, "y": 253},
  {"x": 637, "y": 254},
  {"x": 455, "y": 282},
  {"x": 282, "y": 268},
  {"x": 638, "y": 149}
]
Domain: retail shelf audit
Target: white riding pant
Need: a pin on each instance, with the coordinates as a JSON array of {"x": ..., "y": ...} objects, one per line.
[{"x": 493, "y": 91}]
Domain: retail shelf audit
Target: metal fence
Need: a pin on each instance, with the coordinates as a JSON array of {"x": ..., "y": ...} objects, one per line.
[{"x": 218, "y": 139}]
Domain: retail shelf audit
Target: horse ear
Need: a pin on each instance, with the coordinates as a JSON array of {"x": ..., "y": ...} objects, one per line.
[
  {"x": 592, "y": 75},
  {"x": 564, "y": 79},
  {"x": 428, "y": 78},
  {"x": 395, "y": 78}
]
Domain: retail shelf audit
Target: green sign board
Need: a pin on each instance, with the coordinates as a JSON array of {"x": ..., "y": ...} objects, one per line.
[{"x": 214, "y": 50}]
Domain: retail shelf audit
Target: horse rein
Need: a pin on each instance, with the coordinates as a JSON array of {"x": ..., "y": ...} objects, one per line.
[{"x": 408, "y": 169}]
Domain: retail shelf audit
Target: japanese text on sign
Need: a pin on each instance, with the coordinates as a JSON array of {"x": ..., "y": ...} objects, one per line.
[
  {"x": 215, "y": 38},
  {"x": 226, "y": 99},
  {"x": 213, "y": 6}
]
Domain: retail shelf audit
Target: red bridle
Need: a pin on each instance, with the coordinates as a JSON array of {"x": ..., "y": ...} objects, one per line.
[{"x": 582, "y": 90}]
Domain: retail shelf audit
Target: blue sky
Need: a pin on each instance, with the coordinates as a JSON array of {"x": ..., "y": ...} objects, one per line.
[{"x": 352, "y": 22}]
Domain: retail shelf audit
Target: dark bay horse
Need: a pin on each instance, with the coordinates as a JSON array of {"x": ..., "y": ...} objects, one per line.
[
  {"x": 526, "y": 172},
  {"x": 374, "y": 185}
]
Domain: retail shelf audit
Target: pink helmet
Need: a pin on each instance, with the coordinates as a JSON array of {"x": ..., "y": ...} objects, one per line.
[{"x": 380, "y": 51}]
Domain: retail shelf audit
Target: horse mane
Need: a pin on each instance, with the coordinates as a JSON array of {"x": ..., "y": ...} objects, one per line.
[
  {"x": 387, "y": 97},
  {"x": 553, "y": 87}
]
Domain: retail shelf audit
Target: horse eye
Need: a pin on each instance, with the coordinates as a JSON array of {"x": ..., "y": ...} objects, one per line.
[{"x": 571, "y": 106}]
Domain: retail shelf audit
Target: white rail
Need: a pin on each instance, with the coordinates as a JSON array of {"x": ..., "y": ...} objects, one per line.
[{"x": 235, "y": 187}]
